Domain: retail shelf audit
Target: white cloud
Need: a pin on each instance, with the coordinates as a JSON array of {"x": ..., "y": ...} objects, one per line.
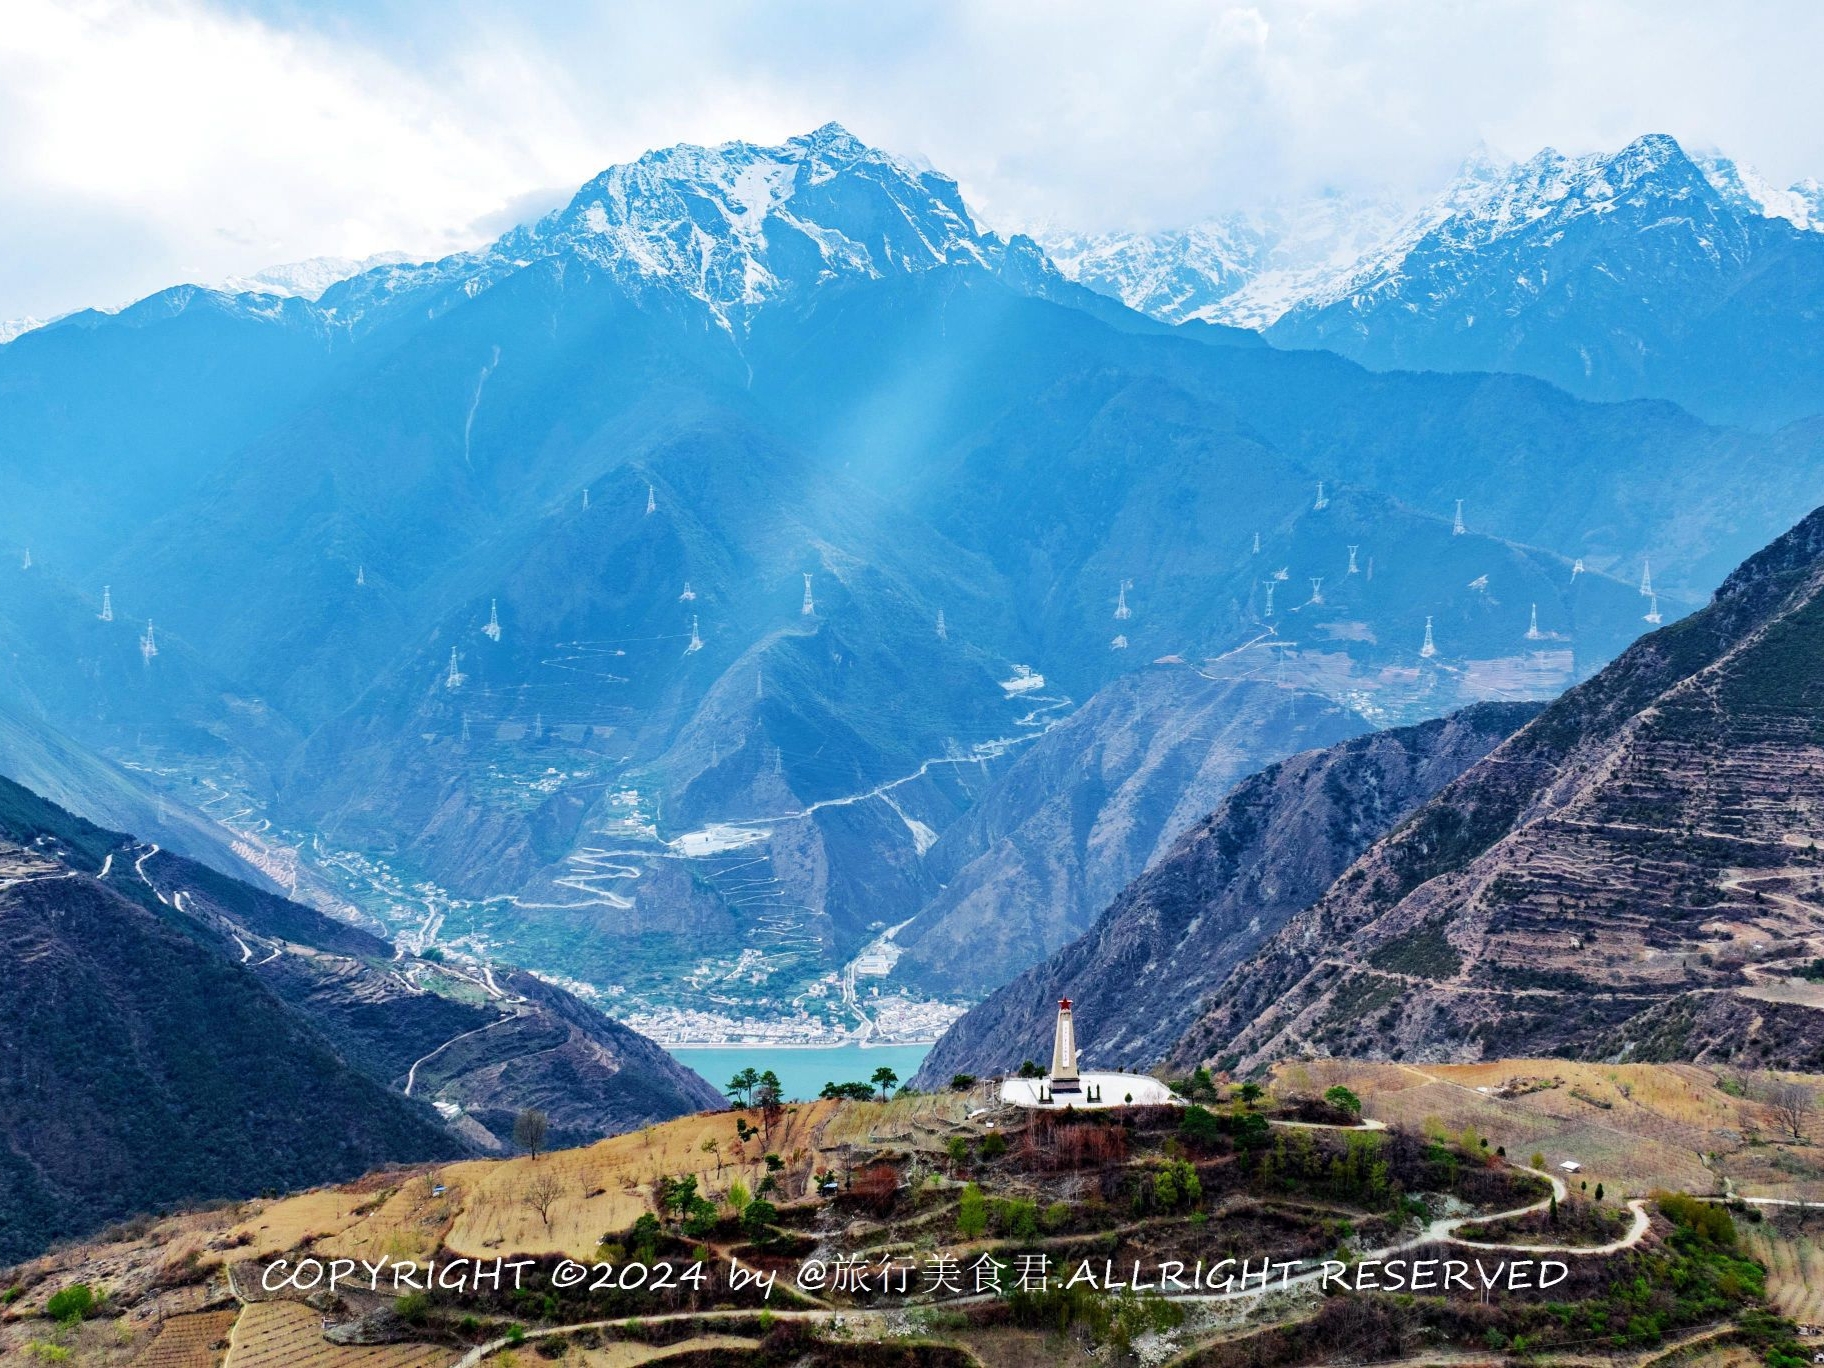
[
  {"x": 210, "y": 144},
  {"x": 151, "y": 142}
]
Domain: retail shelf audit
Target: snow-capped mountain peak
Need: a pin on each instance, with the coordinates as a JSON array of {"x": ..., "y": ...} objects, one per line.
[
  {"x": 1526, "y": 209},
  {"x": 731, "y": 227},
  {"x": 1251, "y": 269},
  {"x": 739, "y": 224}
]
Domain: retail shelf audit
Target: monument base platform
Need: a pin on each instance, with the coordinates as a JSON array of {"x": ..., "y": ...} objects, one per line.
[{"x": 1094, "y": 1091}]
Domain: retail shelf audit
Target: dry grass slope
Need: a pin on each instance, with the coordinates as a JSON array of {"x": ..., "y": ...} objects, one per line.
[{"x": 1633, "y": 1127}]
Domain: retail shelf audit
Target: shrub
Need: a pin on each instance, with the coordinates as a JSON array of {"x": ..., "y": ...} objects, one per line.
[
  {"x": 1200, "y": 1128},
  {"x": 994, "y": 1145},
  {"x": 1339, "y": 1096},
  {"x": 1706, "y": 1221},
  {"x": 962, "y": 1082},
  {"x": 971, "y": 1213},
  {"x": 413, "y": 1308},
  {"x": 71, "y": 1304}
]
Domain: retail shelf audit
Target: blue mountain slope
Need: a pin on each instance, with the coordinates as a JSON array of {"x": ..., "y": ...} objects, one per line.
[
  {"x": 804, "y": 360},
  {"x": 1615, "y": 276}
]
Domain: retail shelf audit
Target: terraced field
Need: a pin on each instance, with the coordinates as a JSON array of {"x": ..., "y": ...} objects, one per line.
[
  {"x": 290, "y": 1335},
  {"x": 198, "y": 1340},
  {"x": 1795, "y": 1269}
]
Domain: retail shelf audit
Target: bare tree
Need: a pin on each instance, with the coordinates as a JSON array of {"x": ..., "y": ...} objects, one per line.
[
  {"x": 529, "y": 1130},
  {"x": 541, "y": 1192},
  {"x": 768, "y": 1096},
  {"x": 1792, "y": 1104}
]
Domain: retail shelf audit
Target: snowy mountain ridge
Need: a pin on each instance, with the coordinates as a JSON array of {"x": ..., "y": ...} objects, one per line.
[
  {"x": 1243, "y": 269},
  {"x": 1628, "y": 275},
  {"x": 308, "y": 279},
  {"x": 18, "y": 327},
  {"x": 1533, "y": 203},
  {"x": 1743, "y": 188},
  {"x": 1249, "y": 269},
  {"x": 732, "y": 227},
  {"x": 739, "y": 224}
]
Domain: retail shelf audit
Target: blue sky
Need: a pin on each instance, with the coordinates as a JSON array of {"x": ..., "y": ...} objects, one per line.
[{"x": 152, "y": 142}]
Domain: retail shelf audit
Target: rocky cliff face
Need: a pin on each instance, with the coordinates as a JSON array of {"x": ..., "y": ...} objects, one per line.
[
  {"x": 1224, "y": 887},
  {"x": 1092, "y": 804},
  {"x": 1636, "y": 871}
]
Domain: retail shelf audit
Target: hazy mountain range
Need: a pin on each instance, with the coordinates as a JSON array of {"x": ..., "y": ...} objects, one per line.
[
  {"x": 755, "y": 556},
  {"x": 1645, "y": 272}
]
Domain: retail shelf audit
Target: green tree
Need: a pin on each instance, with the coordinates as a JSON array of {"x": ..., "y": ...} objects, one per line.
[
  {"x": 643, "y": 1238},
  {"x": 676, "y": 1194},
  {"x": 699, "y": 1218},
  {"x": 1028, "y": 1069},
  {"x": 961, "y": 1082},
  {"x": 994, "y": 1145},
  {"x": 756, "y": 1220},
  {"x": 884, "y": 1079},
  {"x": 1251, "y": 1131},
  {"x": 1250, "y": 1093},
  {"x": 971, "y": 1213},
  {"x": 1023, "y": 1219},
  {"x": 1200, "y": 1127},
  {"x": 741, "y": 1086},
  {"x": 853, "y": 1092},
  {"x": 1165, "y": 1189},
  {"x": 1188, "y": 1182},
  {"x": 1339, "y": 1096}
]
